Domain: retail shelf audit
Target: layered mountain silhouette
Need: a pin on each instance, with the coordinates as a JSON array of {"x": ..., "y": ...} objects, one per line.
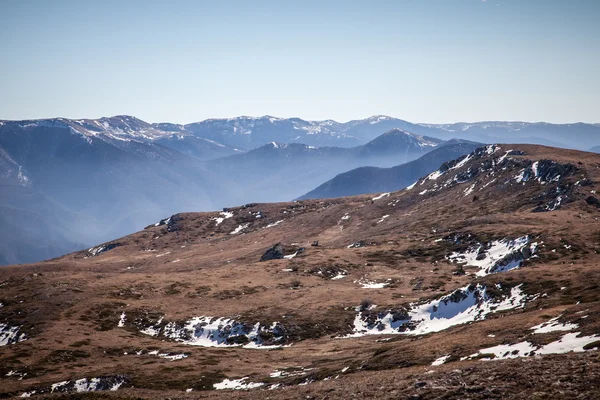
[
  {"x": 375, "y": 180},
  {"x": 72, "y": 182},
  {"x": 281, "y": 171}
]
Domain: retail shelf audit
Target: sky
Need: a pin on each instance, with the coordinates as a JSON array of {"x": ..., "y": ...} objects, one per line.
[{"x": 435, "y": 61}]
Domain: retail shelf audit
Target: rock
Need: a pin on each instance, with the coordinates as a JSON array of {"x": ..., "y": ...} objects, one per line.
[
  {"x": 593, "y": 201},
  {"x": 274, "y": 253}
]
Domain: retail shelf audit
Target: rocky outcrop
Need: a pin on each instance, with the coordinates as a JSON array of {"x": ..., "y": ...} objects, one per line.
[
  {"x": 593, "y": 201},
  {"x": 274, "y": 253}
]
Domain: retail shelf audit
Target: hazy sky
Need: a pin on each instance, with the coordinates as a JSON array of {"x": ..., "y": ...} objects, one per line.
[{"x": 420, "y": 60}]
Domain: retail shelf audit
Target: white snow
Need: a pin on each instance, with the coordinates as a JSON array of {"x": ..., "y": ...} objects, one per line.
[
  {"x": 433, "y": 176},
  {"x": 94, "y": 251},
  {"x": 376, "y": 119},
  {"x": 383, "y": 219},
  {"x": 381, "y": 196},
  {"x": 412, "y": 186},
  {"x": 163, "y": 222},
  {"x": 534, "y": 168},
  {"x": 521, "y": 177},
  {"x": 491, "y": 149},
  {"x": 173, "y": 357},
  {"x": 372, "y": 285},
  {"x": 274, "y": 224},
  {"x": 503, "y": 157},
  {"x": 504, "y": 351},
  {"x": 570, "y": 342},
  {"x": 346, "y": 217},
  {"x": 462, "y": 162},
  {"x": 10, "y": 334},
  {"x": 239, "y": 228},
  {"x": 83, "y": 385},
  {"x": 464, "y": 305},
  {"x": 553, "y": 325},
  {"x": 441, "y": 360},
  {"x": 225, "y": 215},
  {"x": 289, "y": 257},
  {"x": 122, "y": 320},
  {"x": 500, "y": 255},
  {"x": 469, "y": 190},
  {"x": 213, "y": 332},
  {"x": 340, "y": 275},
  {"x": 237, "y": 384},
  {"x": 153, "y": 330}
]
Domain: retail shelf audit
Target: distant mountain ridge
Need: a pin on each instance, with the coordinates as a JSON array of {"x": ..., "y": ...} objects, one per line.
[
  {"x": 245, "y": 133},
  {"x": 283, "y": 171},
  {"x": 364, "y": 180},
  {"x": 67, "y": 183}
]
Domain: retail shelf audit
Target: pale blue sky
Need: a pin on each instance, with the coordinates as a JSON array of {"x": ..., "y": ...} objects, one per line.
[{"x": 183, "y": 61}]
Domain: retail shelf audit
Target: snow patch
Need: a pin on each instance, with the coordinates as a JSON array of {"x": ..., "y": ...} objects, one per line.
[
  {"x": 122, "y": 320},
  {"x": 469, "y": 190},
  {"x": 383, "y": 219},
  {"x": 10, "y": 334},
  {"x": 497, "y": 256},
  {"x": 381, "y": 196},
  {"x": 88, "y": 385},
  {"x": 465, "y": 305},
  {"x": 412, "y": 186},
  {"x": 237, "y": 384},
  {"x": 441, "y": 360},
  {"x": 218, "y": 332},
  {"x": 274, "y": 224},
  {"x": 239, "y": 228},
  {"x": 553, "y": 326},
  {"x": 570, "y": 342},
  {"x": 224, "y": 215},
  {"x": 364, "y": 284}
]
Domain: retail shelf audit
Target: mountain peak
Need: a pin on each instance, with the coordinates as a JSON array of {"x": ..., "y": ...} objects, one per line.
[{"x": 397, "y": 131}]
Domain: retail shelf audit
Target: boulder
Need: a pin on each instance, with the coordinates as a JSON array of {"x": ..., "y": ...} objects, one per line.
[
  {"x": 274, "y": 253},
  {"x": 593, "y": 201}
]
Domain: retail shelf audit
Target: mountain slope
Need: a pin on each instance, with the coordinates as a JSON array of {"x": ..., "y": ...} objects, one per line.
[
  {"x": 579, "y": 135},
  {"x": 36, "y": 228},
  {"x": 410, "y": 294},
  {"x": 92, "y": 177},
  {"x": 373, "y": 180},
  {"x": 280, "y": 171},
  {"x": 197, "y": 147}
]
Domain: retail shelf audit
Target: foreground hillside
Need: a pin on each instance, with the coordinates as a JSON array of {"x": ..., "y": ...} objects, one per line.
[{"x": 479, "y": 281}]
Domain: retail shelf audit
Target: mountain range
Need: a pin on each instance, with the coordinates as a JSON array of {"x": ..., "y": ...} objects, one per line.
[
  {"x": 246, "y": 133},
  {"x": 67, "y": 183}
]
